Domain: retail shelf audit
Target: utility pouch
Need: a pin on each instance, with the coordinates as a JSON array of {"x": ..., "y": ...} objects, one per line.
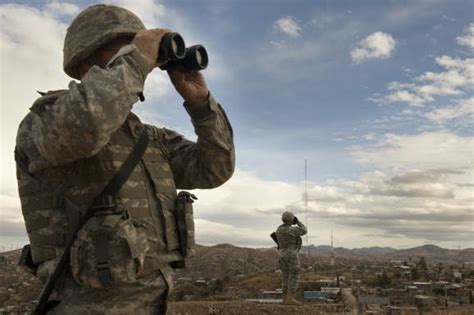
[
  {"x": 109, "y": 250},
  {"x": 26, "y": 260},
  {"x": 185, "y": 222},
  {"x": 274, "y": 238}
]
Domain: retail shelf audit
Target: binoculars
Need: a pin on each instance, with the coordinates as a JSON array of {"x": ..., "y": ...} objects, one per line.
[{"x": 175, "y": 55}]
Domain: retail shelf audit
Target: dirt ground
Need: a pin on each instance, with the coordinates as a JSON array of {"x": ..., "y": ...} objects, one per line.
[
  {"x": 455, "y": 310},
  {"x": 249, "y": 308},
  {"x": 238, "y": 307}
]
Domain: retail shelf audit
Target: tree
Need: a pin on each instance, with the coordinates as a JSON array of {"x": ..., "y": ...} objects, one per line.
[
  {"x": 383, "y": 280},
  {"x": 415, "y": 274},
  {"x": 421, "y": 268},
  {"x": 422, "y": 264}
]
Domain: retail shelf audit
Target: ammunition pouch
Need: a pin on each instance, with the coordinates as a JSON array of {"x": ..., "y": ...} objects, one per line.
[
  {"x": 185, "y": 222},
  {"x": 26, "y": 260},
  {"x": 275, "y": 239},
  {"x": 109, "y": 250}
]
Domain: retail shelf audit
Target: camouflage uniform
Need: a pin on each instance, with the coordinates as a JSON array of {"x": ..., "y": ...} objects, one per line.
[
  {"x": 63, "y": 134},
  {"x": 287, "y": 236},
  {"x": 146, "y": 296}
]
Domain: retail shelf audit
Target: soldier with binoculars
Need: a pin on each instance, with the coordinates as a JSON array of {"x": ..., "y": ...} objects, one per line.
[{"x": 98, "y": 187}]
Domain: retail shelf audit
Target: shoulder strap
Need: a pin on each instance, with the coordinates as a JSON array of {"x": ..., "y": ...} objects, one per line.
[
  {"x": 117, "y": 181},
  {"x": 111, "y": 188}
]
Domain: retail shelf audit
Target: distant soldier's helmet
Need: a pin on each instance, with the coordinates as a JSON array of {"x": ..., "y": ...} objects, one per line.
[
  {"x": 287, "y": 217},
  {"x": 94, "y": 27}
]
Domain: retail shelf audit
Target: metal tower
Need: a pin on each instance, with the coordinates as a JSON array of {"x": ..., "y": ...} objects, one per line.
[
  {"x": 333, "y": 260},
  {"x": 306, "y": 201}
]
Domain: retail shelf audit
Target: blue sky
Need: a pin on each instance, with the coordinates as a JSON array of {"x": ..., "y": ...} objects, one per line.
[{"x": 376, "y": 95}]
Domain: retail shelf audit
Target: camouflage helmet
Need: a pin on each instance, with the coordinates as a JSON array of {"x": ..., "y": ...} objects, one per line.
[
  {"x": 94, "y": 27},
  {"x": 287, "y": 217}
]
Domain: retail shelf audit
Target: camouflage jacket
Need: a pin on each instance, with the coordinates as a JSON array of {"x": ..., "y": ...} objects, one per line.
[
  {"x": 71, "y": 125},
  {"x": 289, "y": 236}
]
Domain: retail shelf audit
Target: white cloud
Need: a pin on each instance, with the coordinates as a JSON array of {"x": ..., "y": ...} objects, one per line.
[
  {"x": 412, "y": 184},
  {"x": 288, "y": 26},
  {"x": 422, "y": 180},
  {"x": 12, "y": 228},
  {"x": 429, "y": 150},
  {"x": 9, "y": 208},
  {"x": 463, "y": 112},
  {"x": 62, "y": 8},
  {"x": 369, "y": 136},
  {"x": 149, "y": 11},
  {"x": 378, "y": 45},
  {"x": 424, "y": 206},
  {"x": 402, "y": 96},
  {"x": 157, "y": 84},
  {"x": 459, "y": 74},
  {"x": 456, "y": 79},
  {"x": 468, "y": 39}
]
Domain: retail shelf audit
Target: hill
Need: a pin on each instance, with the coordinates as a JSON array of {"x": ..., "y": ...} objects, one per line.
[
  {"x": 430, "y": 252},
  {"x": 434, "y": 253},
  {"x": 223, "y": 260}
]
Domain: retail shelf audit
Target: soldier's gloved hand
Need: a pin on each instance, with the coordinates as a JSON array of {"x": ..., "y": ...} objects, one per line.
[
  {"x": 190, "y": 85},
  {"x": 295, "y": 220},
  {"x": 148, "y": 44}
]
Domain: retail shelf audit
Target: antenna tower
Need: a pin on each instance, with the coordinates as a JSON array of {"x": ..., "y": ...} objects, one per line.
[
  {"x": 332, "y": 262},
  {"x": 306, "y": 201}
]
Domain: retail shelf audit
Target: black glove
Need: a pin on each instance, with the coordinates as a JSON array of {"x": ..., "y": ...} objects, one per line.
[{"x": 295, "y": 220}]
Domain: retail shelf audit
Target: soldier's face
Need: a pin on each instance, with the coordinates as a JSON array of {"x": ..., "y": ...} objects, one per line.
[
  {"x": 107, "y": 51},
  {"x": 104, "y": 53}
]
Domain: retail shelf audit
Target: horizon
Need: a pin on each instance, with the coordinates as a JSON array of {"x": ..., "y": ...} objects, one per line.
[
  {"x": 4, "y": 248},
  {"x": 376, "y": 96}
]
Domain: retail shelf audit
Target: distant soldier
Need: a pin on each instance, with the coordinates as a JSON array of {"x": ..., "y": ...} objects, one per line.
[{"x": 289, "y": 244}]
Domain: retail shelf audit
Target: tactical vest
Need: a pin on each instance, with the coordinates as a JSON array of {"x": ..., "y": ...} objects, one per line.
[
  {"x": 49, "y": 205},
  {"x": 285, "y": 239}
]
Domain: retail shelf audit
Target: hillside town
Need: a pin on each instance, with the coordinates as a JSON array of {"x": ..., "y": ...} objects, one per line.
[
  {"x": 238, "y": 277},
  {"x": 337, "y": 284}
]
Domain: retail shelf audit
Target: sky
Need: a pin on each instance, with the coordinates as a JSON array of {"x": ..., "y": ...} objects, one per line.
[{"x": 376, "y": 96}]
